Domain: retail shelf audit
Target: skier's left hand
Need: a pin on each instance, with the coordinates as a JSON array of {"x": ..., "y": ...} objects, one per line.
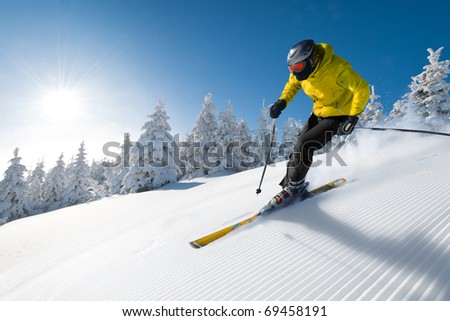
[{"x": 347, "y": 127}]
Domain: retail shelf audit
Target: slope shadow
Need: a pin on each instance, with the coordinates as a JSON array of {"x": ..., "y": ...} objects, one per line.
[
  {"x": 432, "y": 263},
  {"x": 180, "y": 186}
]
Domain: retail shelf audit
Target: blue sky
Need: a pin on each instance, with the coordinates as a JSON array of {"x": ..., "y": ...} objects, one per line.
[{"x": 120, "y": 57}]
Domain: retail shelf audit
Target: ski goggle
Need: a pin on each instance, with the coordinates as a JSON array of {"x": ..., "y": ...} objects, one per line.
[{"x": 297, "y": 67}]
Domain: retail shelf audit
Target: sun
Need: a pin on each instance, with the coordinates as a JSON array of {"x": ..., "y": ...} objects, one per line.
[{"x": 61, "y": 104}]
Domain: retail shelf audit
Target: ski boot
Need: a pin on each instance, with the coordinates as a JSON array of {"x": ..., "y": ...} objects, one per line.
[{"x": 291, "y": 191}]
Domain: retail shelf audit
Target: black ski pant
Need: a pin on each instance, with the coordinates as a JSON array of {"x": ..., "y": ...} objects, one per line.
[{"x": 315, "y": 134}]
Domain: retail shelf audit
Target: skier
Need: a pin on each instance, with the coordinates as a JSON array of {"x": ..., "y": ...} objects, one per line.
[{"x": 339, "y": 95}]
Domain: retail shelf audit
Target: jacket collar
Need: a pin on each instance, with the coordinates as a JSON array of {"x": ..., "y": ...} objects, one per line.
[{"x": 325, "y": 52}]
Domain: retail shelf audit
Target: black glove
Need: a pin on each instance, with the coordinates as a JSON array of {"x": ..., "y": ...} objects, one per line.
[
  {"x": 347, "y": 126},
  {"x": 276, "y": 108}
]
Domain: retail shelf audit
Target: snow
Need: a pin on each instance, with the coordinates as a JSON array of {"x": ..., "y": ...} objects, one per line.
[{"x": 383, "y": 236}]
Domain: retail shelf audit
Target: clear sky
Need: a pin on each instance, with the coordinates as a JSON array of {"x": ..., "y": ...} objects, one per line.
[{"x": 109, "y": 61}]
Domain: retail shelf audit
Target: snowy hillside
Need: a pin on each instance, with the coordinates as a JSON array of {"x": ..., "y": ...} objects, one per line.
[{"x": 383, "y": 236}]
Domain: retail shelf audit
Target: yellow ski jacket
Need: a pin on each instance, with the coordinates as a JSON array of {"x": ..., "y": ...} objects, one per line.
[{"x": 335, "y": 88}]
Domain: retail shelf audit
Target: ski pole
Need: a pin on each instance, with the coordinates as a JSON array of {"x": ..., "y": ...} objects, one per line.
[
  {"x": 405, "y": 130},
  {"x": 258, "y": 190}
]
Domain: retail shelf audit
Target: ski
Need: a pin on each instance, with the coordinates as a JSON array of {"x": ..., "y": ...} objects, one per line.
[{"x": 201, "y": 242}]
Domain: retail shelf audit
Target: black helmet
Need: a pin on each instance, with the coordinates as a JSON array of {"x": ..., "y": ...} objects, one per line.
[{"x": 301, "y": 59}]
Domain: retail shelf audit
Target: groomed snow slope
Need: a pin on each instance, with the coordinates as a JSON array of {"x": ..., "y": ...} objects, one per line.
[{"x": 384, "y": 236}]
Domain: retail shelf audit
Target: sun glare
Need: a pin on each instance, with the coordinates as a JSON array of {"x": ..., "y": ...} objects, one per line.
[{"x": 61, "y": 105}]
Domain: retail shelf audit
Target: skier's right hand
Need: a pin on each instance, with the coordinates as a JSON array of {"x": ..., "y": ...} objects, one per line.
[{"x": 276, "y": 108}]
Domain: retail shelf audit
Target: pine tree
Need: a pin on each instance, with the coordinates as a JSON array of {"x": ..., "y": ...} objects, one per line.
[
  {"x": 97, "y": 172},
  {"x": 139, "y": 177},
  {"x": 203, "y": 138},
  {"x": 155, "y": 165},
  {"x": 264, "y": 137},
  {"x": 431, "y": 89},
  {"x": 398, "y": 112},
  {"x": 191, "y": 157},
  {"x": 13, "y": 191},
  {"x": 161, "y": 147},
  {"x": 54, "y": 185},
  {"x": 36, "y": 189},
  {"x": 228, "y": 139},
  {"x": 373, "y": 113},
  {"x": 291, "y": 130},
  {"x": 428, "y": 102},
  {"x": 116, "y": 172},
  {"x": 81, "y": 188},
  {"x": 247, "y": 147}
]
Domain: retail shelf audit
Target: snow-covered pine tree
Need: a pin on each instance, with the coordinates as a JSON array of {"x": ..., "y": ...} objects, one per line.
[
  {"x": 36, "y": 189},
  {"x": 227, "y": 138},
  {"x": 97, "y": 171},
  {"x": 81, "y": 188},
  {"x": 139, "y": 176},
  {"x": 156, "y": 165},
  {"x": 398, "y": 112},
  {"x": 264, "y": 137},
  {"x": 428, "y": 102},
  {"x": 290, "y": 132},
  {"x": 373, "y": 113},
  {"x": 432, "y": 88},
  {"x": 116, "y": 171},
  {"x": 247, "y": 147},
  {"x": 185, "y": 156},
  {"x": 54, "y": 185},
  {"x": 13, "y": 191},
  {"x": 161, "y": 147},
  {"x": 203, "y": 138}
]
